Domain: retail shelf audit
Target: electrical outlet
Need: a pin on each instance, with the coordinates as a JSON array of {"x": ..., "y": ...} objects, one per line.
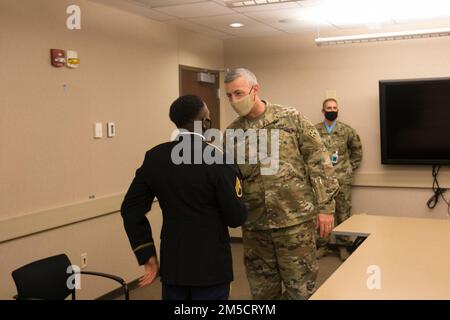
[{"x": 84, "y": 260}]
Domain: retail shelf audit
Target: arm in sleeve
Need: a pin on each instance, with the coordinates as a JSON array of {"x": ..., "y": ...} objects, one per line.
[
  {"x": 229, "y": 195},
  {"x": 318, "y": 166},
  {"x": 137, "y": 202},
  {"x": 355, "y": 148}
]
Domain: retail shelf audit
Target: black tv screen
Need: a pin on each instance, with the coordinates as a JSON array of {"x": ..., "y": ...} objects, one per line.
[{"x": 415, "y": 121}]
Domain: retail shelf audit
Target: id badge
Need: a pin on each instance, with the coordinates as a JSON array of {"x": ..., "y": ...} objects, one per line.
[{"x": 334, "y": 158}]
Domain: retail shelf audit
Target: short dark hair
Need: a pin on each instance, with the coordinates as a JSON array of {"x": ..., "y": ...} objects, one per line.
[
  {"x": 185, "y": 109},
  {"x": 328, "y": 100}
]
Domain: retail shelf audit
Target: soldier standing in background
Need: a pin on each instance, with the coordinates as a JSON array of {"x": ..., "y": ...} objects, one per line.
[
  {"x": 279, "y": 233},
  {"x": 345, "y": 149}
]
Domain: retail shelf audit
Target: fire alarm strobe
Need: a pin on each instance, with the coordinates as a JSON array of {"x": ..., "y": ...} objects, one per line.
[{"x": 58, "y": 57}]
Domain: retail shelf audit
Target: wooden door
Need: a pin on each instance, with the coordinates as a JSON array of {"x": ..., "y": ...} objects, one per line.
[{"x": 208, "y": 92}]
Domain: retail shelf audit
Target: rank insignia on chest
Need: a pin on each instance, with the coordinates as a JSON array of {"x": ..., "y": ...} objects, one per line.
[{"x": 238, "y": 188}]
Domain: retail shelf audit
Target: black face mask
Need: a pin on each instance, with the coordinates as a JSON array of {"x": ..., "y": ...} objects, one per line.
[
  {"x": 331, "y": 115},
  {"x": 206, "y": 124}
]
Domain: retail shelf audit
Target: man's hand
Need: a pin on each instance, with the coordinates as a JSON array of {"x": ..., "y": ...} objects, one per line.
[
  {"x": 325, "y": 223},
  {"x": 151, "y": 272}
]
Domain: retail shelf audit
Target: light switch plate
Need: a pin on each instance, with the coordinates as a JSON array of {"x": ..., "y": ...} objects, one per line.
[{"x": 98, "y": 130}]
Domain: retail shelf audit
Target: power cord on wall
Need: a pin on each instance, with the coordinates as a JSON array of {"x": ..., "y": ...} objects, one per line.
[{"x": 437, "y": 191}]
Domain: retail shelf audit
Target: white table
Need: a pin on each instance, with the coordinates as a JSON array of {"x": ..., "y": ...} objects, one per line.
[{"x": 412, "y": 255}]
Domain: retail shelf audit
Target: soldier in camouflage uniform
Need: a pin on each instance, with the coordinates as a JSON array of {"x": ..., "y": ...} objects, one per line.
[
  {"x": 285, "y": 207},
  {"x": 345, "y": 149}
]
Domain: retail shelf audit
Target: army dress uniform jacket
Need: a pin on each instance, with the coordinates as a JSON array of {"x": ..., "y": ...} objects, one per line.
[
  {"x": 303, "y": 185},
  {"x": 346, "y": 144},
  {"x": 198, "y": 202}
]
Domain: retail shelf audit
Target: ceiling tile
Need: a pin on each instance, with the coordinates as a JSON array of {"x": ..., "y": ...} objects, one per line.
[
  {"x": 167, "y": 3},
  {"x": 309, "y": 3},
  {"x": 360, "y": 24},
  {"x": 273, "y": 18},
  {"x": 136, "y": 8},
  {"x": 288, "y": 20},
  {"x": 267, "y": 7},
  {"x": 250, "y": 28},
  {"x": 212, "y": 17},
  {"x": 220, "y": 2},
  {"x": 223, "y": 22},
  {"x": 404, "y": 18},
  {"x": 200, "y": 29},
  {"x": 258, "y": 32},
  {"x": 202, "y": 9}
]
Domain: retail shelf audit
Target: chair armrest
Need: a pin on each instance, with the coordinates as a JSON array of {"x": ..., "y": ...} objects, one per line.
[{"x": 112, "y": 277}]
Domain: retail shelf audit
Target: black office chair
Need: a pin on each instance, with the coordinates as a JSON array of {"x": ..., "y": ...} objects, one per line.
[{"x": 48, "y": 279}]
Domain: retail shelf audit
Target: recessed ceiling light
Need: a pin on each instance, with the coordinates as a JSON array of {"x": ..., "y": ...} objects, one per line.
[{"x": 236, "y": 25}]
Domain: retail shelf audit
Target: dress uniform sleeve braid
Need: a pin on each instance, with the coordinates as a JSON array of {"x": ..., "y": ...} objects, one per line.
[
  {"x": 355, "y": 147},
  {"x": 137, "y": 202},
  {"x": 319, "y": 167}
]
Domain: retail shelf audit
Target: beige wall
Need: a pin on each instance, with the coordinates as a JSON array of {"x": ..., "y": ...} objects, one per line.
[
  {"x": 293, "y": 71},
  {"x": 199, "y": 51},
  {"x": 129, "y": 75},
  {"x": 48, "y": 157}
]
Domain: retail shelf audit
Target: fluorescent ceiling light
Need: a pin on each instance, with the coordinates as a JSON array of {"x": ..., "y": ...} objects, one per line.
[
  {"x": 371, "y": 37},
  {"x": 251, "y": 3},
  {"x": 236, "y": 25}
]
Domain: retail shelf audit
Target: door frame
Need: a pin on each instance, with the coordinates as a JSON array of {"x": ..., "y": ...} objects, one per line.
[
  {"x": 189, "y": 68},
  {"x": 182, "y": 67}
]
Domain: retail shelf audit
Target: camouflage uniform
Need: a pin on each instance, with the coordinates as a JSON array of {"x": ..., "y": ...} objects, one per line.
[
  {"x": 345, "y": 141},
  {"x": 279, "y": 236}
]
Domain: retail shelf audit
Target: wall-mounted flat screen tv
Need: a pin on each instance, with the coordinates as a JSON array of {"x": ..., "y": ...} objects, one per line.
[{"x": 415, "y": 121}]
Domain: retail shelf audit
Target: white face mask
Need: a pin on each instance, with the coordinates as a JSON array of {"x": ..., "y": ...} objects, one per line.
[{"x": 243, "y": 106}]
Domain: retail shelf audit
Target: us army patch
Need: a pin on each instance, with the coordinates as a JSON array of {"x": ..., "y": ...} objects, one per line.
[
  {"x": 238, "y": 188},
  {"x": 314, "y": 134}
]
